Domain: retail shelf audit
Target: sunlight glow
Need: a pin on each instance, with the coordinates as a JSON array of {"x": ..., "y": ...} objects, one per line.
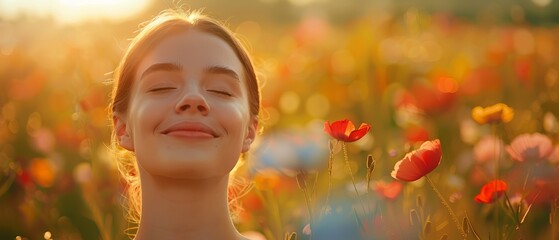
[
  {"x": 541, "y": 3},
  {"x": 73, "y": 11}
]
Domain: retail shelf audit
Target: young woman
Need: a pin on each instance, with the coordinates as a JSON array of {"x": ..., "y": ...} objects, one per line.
[{"x": 185, "y": 106}]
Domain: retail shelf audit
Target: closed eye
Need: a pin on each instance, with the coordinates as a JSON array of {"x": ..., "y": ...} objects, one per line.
[
  {"x": 221, "y": 92},
  {"x": 161, "y": 89}
]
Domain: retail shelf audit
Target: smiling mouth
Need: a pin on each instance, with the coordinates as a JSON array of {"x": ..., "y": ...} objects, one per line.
[
  {"x": 189, "y": 134},
  {"x": 190, "y": 130}
]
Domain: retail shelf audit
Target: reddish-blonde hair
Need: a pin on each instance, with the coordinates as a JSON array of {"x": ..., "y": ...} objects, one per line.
[{"x": 167, "y": 23}]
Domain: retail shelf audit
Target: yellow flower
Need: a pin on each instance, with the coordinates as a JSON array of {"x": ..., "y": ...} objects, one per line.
[{"x": 497, "y": 113}]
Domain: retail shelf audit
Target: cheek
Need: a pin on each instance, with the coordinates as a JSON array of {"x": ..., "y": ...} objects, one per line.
[
  {"x": 237, "y": 120},
  {"x": 144, "y": 116}
]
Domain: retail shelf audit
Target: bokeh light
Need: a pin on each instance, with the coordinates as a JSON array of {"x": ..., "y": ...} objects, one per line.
[
  {"x": 74, "y": 11},
  {"x": 413, "y": 70}
]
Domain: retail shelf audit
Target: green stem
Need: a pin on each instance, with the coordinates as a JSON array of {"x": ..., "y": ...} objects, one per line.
[
  {"x": 447, "y": 206},
  {"x": 273, "y": 211},
  {"x": 330, "y": 163},
  {"x": 514, "y": 215},
  {"x": 352, "y": 178},
  {"x": 555, "y": 206},
  {"x": 497, "y": 147},
  {"x": 302, "y": 182},
  {"x": 309, "y": 209},
  {"x": 497, "y": 176},
  {"x": 7, "y": 184}
]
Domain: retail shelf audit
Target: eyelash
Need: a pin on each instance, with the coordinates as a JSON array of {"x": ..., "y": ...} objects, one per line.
[
  {"x": 221, "y": 92},
  {"x": 171, "y": 88},
  {"x": 161, "y": 89}
]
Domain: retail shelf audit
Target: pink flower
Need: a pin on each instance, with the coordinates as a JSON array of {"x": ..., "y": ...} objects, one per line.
[
  {"x": 554, "y": 156},
  {"x": 307, "y": 229},
  {"x": 43, "y": 139},
  {"x": 487, "y": 149},
  {"x": 534, "y": 146},
  {"x": 418, "y": 163}
]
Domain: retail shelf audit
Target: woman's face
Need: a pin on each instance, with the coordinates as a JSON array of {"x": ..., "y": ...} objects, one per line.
[{"x": 188, "y": 114}]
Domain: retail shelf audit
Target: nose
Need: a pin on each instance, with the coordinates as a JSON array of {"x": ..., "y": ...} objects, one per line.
[{"x": 193, "y": 103}]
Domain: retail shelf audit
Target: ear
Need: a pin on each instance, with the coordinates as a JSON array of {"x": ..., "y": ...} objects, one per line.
[
  {"x": 123, "y": 136},
  {"x": 251, "y": 134}
]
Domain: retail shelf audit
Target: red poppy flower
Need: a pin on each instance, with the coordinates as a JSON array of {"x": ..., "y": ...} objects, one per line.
[
  {"x": 432, "y": 100},
  {"x": 491, "y": 191},
  {"x": 418, "y": 163},
  {"x": 545, "y": 191},
  {"x": 345, "y": 131},
  {"x": 416, "y": 134},
  {"x": 389, "y": 191},
  {"x": 24, "y": 178}
]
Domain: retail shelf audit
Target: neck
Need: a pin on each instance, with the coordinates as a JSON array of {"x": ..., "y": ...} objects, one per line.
[{"x": 185, "y": 209}]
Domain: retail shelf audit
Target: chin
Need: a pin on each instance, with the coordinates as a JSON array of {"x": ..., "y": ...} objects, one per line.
[{"x": 195, "y": 167}]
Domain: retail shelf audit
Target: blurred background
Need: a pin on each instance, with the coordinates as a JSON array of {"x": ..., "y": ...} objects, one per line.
[{"x": 412, "y": 69}]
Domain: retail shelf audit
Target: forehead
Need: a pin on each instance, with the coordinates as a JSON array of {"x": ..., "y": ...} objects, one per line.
[{"x": 194, "y": 51}]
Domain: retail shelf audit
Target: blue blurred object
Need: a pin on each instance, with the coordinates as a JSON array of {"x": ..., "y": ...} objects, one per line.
[{"x": 292, "y": 149}]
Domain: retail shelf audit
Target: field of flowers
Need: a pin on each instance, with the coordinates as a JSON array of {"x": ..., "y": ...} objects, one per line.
[{"x": 403, "y": 125}]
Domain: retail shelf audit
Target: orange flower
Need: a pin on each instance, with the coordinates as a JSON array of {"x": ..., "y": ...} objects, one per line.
[
  {"x": 267, "y": 179},
  {"x": 345, "y": 131},
  {"x": 42, "y": 172},
  {"x": 497, "y": 113},
  {"x": 491, "y": 191},
  {"x": 418, "y": 163}
]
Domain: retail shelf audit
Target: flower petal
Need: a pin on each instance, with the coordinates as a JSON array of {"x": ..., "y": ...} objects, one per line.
[
  {"x": 477, "y": 115},
  {"x": 338, "y": 129},
  {"x": 496, "y": 113},
  {"x": 328, "y": 129},
  {"x": 407, "y": 169},
  {"x": 534, "y": 146},
  {"x": 344, "y": 130},
  {"x": 418, "y": 163},
  {"x": 491, "y": 191},
  {"x": 359, "y": 133},
  {"x": 390, "y": 190},
  {"x": 348, "y": 128}
]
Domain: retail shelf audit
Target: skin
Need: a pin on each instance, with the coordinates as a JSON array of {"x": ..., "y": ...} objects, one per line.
[{"x": 188, "y": 122}]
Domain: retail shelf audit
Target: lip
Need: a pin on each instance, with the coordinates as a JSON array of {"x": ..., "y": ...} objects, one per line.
[{"x": 190, "y": 130}]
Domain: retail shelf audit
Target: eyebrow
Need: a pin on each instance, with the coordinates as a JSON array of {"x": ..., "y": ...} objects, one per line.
[
  {"x": 168, "y": 67},
  {"x": 222, "y": 70},
  {"x": 173, "y": 67}
]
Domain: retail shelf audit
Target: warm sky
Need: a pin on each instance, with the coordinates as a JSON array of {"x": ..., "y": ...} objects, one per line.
[{"x": 73, "y": 11}]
